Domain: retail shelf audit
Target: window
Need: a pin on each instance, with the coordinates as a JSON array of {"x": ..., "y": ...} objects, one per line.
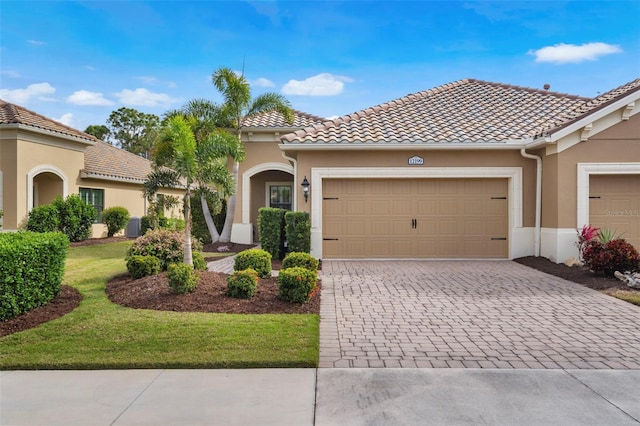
[
  {"x": 280, "y": 196},
  {"x": 95, "y": 198}
]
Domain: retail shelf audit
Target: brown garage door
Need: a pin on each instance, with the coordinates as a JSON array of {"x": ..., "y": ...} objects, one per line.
[
  {"x": 614, "y": 203},
  {"x": 417, "y": 218}
]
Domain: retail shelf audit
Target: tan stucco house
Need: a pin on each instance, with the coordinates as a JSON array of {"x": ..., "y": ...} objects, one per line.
[
  {"x": 41, "y": 159},
  {"x": 471, "y": 169}
]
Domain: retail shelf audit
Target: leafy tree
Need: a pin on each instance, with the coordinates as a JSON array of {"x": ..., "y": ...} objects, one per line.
[
  {"x": 179, "y": 160},
  {"x": 100, "y": 131},
  {"x": 133, "y": 130},
  {"x": 238, "y": 105},
  {"x": 206, "y": 119}
]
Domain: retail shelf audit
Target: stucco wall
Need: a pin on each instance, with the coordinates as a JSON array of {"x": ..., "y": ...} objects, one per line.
[
  {"x": 451, "y": 158},
  {"x": 617, "y": 144}
]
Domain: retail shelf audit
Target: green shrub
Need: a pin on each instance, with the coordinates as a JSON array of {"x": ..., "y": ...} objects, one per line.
[
  {"x": 175, "y": 224},
  {"x": 116, "y": 218},
  {"x": 296, "y": 284},
  {"x": 271, "y": 229},
  {"x": 198, "y": 260},
  {"x": 43, "y": 219},
  {"x": 31, "y": 270},
  {"x": 614, "y": 255},
  {"x": 303, "y": 260},
  {"x": 143, "y": 266},
  {"x": 298, "y": 231},
  {"x": 256, "y": 259},
  {"x": 182, "y": 278},
  {"x": 167, "y": 246},
  {"x": 75, "y": 217},
  {"x": 242, "y": 284},
  {"x": 152, "y": 222}
]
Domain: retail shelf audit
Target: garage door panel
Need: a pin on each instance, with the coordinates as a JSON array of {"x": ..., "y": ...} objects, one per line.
[
  {"x": 614, "y": 204},
  {"x": 453, "y": 218}
]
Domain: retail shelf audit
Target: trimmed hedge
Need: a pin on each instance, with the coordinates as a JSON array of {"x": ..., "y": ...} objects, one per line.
[
  {"x": 296, "y": 284},
  {"x": 182, "y": 278},
  {"x": 242, "y": 284},
  {"x": 143, "y": 266},
  {"x": 43, "y": 219},
  {"x": 298, "y": 231},
  {"x": 303, "y": 260},
  {"x": 116, "y": 218},
  {"x": 76, "y": 217},
  {"x": 31, "y": 270},
  {"x": 256, "y": 259},
  {"x": 271, "y": 228},
  {"x": 167, "y": 246}
]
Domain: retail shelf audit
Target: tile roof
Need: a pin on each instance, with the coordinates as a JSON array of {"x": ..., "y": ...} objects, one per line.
[
  {"x": 463, "y": 111},
  {"x": 104, "y": 161},
  {"x": 595, "y": 104},
  {"x": 15, "y": 114},
  {"x": 274, "y": 119}
]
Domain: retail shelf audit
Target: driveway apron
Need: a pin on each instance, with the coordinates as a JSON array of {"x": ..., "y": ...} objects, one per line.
[{"x": 469, "y": 314}]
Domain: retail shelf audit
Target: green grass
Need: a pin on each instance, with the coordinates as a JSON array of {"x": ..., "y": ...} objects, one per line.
[
  {"x": 626, "y": 295},
  {"x": 101, "y": 335}
]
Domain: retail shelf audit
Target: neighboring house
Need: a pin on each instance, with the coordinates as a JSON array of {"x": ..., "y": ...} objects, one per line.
[
  {"x": 470, "y": 169},
  {"x": 41, "y": 159}
]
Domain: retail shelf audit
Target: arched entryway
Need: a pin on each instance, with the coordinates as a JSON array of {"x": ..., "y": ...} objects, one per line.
[
  {"x": 44, "y": 184},
  {"x": 266, "y": 185}
]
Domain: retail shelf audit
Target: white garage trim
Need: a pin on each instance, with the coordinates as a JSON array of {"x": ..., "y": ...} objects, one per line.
[
  {"x": 585, "y": 170},
  {"x": 514, "y": 174}
]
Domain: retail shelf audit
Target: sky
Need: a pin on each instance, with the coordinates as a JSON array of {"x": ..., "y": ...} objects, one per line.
[{"x": 77, "y": 61}]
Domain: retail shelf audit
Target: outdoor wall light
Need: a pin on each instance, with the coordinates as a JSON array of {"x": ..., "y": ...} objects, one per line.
[{"x": 305, "y": 189}]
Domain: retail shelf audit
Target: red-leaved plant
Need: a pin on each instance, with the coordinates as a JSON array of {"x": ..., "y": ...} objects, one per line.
[
  {"x": 586, "y": 234},
  {"x": 609, "y": 257}
]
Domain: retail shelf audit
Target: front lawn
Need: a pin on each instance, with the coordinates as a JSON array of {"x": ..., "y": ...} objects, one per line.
[{"x": 101, "y": 335}]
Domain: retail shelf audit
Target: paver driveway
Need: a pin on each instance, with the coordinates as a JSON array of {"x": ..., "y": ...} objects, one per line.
[{"x": 475, "y": 314}]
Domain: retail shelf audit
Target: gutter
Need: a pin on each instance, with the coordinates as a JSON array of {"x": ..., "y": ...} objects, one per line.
[
  {"x": 383, "y": 146},
  {"x": 538, "y": 228}
]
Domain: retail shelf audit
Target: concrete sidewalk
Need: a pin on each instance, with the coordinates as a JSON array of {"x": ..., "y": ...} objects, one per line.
[{"x": 322, "y": 397}]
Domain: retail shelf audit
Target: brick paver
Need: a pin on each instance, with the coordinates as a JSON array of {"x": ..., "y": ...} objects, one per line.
[{"x": 469, "y": 314}]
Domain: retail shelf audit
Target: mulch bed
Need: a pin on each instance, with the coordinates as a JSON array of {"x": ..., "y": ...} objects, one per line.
[
  {"x": 154, "y": 292},
  {"x": 577, "y": 274}
]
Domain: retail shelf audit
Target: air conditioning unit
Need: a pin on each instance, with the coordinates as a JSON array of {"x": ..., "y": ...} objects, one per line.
[{"x": 133, "y": 228}]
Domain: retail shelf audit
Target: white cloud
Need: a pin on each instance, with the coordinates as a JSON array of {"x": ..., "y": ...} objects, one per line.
[
  {"x": 10, "y": 73},
  {"x": 37, "y": 42},
  {"x": 87, "y": 98},
  {"x": 144, "y": 97},
  {"x": 570, "y": 53},
  {"x": 151, "y": 80},
  {"x": 21, "y": 96},
  {"x": 263, "y": 82},
  {"x": 66, "y": 119},
  {"x": 324, "y": 84}
]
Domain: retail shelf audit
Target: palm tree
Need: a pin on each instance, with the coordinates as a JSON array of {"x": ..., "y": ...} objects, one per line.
[
  {"x": 179, "y": 160},
  {"x": 207, "y": 119},
  {"x": 238, "y": 105}
]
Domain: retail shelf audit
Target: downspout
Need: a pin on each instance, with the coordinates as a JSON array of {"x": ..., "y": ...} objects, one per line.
[
  {"x": 538, "y": 228},
  {"x": 295, "y": 179}
]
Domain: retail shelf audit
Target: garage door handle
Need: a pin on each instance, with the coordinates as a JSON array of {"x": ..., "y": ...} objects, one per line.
[
  {"x": 594, "y": 197},
  {"x": 414, "y": 223},
  {"x": 331, "y": 239},
  {"x": 498, "y": 238}
]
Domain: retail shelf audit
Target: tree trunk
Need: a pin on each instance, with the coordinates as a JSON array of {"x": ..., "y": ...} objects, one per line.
[
  {"x": 225, "y": 236},
  {"x": 188, "y": 254},
  {"x": 213, "y": 231}
]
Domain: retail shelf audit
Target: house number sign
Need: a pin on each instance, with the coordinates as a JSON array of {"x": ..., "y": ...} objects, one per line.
[{"x": 416, "y": 161}]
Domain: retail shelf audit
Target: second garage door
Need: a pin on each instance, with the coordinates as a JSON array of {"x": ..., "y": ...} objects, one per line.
[
  {"x": 417, "y": 218},
  {"x": 614, "y": 204}
]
